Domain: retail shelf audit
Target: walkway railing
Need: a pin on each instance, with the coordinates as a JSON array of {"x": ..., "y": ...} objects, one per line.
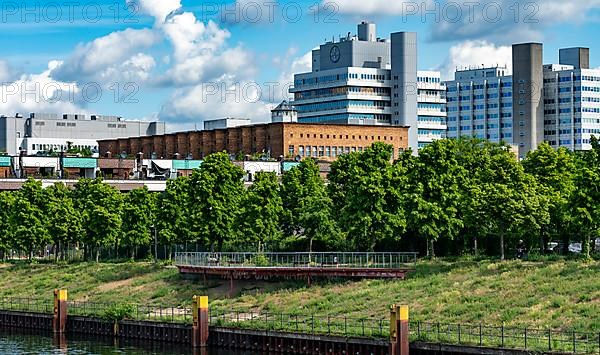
[{"x": 299, "y": 260}]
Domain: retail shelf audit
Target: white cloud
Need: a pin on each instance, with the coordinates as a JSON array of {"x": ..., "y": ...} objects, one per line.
[
  {"x": 110, "y": 59},
  {"x": 200, "y": 57},
  {"x": 6, "y": 72},
  {"x": 475, "y": 53},
  {"x": 41, "y": 93},
  {"x": 159, "y": 9},
  {"x": 216, "y": 100}
]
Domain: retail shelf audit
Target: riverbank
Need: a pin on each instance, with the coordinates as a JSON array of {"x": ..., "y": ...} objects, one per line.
[{"x": 557, "y": 294}]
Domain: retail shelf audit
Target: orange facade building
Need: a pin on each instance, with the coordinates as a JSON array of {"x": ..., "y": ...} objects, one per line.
[{"x": 288, "y": 140}]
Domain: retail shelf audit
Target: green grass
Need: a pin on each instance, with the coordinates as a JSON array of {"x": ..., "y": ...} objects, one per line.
[{"x": 559, "y": 294}]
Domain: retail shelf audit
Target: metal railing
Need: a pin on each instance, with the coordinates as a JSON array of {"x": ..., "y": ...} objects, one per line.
[
  {"x": 299, "y": 260},
  {"x": 131, "y": 311},
  {"x": 533, "y": 339},
  {"x": 301, "y": 323},
  {"x": 29, "y": 305}
]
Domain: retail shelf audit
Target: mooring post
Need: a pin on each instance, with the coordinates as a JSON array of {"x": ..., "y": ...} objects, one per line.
[
  {"x": 399, "y": 332},
  {"x": 59, "y": 321},
  {"x": 200, "y": 322}
]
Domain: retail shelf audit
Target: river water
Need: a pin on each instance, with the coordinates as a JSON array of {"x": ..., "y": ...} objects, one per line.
[{"x": 19, "y": 343}]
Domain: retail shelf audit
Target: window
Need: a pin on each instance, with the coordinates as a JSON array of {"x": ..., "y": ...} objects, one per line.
[
  {"x": 291, "y": 150},
  {"x": 301, "y": 150}
]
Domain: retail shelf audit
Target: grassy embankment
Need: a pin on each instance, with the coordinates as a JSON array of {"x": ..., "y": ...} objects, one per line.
[{"x": 556, "y": 294}]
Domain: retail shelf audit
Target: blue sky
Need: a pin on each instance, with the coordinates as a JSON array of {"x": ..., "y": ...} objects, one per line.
[{"x": 185, "y": 61}]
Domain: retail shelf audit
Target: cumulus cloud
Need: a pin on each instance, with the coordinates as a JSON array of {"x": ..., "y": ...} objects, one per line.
[
  {"x": 110, "y": 59},
  {"x": 475, "y": 53},
  {"x": 200, "y": 57},
  {"x": 7, "y": 74},
  {"x": 41, "y": 93},
  {"x": 159, "y": 9},
  {"x": 216, "y": 100}
]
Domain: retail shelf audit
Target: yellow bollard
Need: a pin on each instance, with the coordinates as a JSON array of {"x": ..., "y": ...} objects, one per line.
[
  {"x": 59, "y": 321},
  {"x": 399, "y": 333},
  {"x": 200, "y": 321}
]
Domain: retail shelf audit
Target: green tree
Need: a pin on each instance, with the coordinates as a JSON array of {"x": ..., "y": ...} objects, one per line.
[
  {"x": 215, "y": 194},
  {"x": 101, "y": 206},
  {"x": 7, "y": 200},
  {"x": 30, "y": 219},
  {"x": 261, "y": 210},
  {"x": 584, "y": 204},
  {"x": 506, "y": 200},
  {"x": 436, "y": 183},
  {"x": 138, "y": 219},
  {"x": 554, "y": 170},
  {"x": 173, "y": 213},
  {"x": 308, "y": 212},
  {"x": 368, "y": 196},
  {"x": 64, "y": 220}
]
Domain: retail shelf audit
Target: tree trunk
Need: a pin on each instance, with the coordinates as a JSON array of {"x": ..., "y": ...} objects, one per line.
[
  {"x": 432, "y": 249},
  {"x": 475, "y": 246},
  {"x": 56, "y": 252},
  {"x": 427, "y": 247},
  {"x": 502, "y": 247},
  {"x": 97, "y": 255},
  {"x": 585, "y": 247}
]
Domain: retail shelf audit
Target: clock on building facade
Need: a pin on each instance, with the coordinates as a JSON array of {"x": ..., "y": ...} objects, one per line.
[{"x": 334, "y": 54}]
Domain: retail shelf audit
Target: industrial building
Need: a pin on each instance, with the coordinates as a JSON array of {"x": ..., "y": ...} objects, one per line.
[
  {"x": 367, "y": 80},
  {"x": 43, "y": 133},
  {"x": 269, "y": 141}
]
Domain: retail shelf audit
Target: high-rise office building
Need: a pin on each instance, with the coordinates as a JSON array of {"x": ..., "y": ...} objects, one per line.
[
  {"x": 556, "y": 103},
  {"x": 479, "y": 104},
  {"x": 431, "y": 107},
  {"x": 367, "y": 80}
]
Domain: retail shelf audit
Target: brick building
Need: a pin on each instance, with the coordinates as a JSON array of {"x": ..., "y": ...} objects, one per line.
[{"x": 322, "y": 141}]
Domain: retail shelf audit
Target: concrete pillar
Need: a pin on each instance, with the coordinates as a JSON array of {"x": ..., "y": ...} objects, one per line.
[
  {"x": 59, "y": 322},
  {"x": 399, "y": 332},
  {"x": 200, "y": 322}
]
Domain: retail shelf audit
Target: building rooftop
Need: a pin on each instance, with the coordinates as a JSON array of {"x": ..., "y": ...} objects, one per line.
[{"x": 284, "y": 106}]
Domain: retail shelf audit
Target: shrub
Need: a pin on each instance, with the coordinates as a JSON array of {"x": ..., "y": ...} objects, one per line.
[{"x": 119, "y": 312}]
